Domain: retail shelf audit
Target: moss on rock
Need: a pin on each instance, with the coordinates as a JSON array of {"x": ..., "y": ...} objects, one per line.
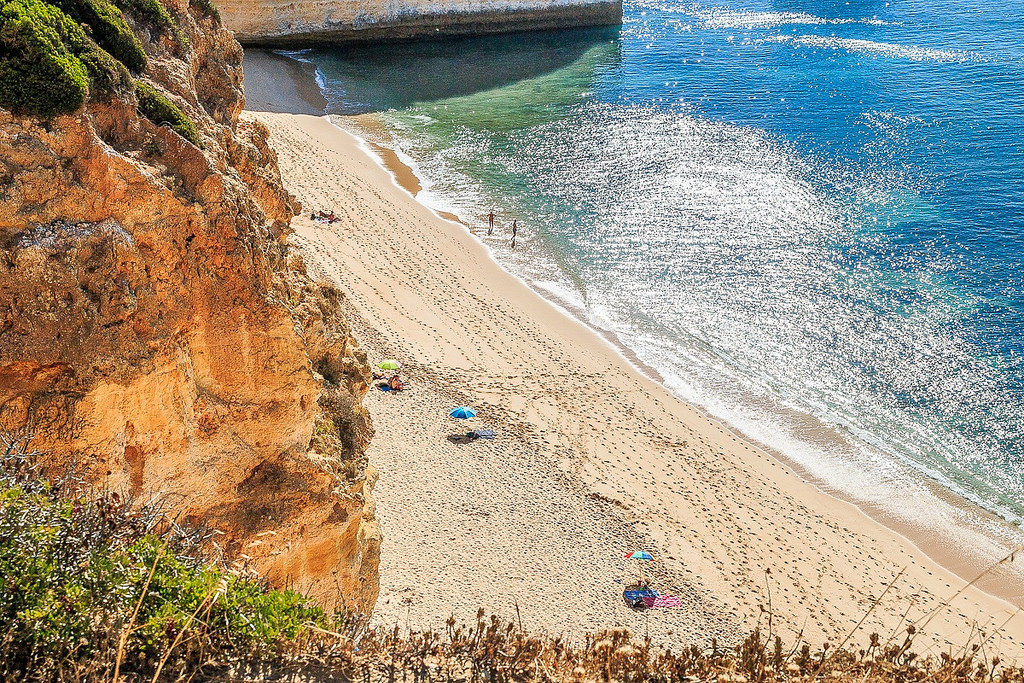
[
  {"x": 161, "y": 111},
  {"x": 107, "y": 77},
  {"x": 55, "y": 55},
  {"x": 109, "y": 29},
  {"x": 47, "y": 63}
]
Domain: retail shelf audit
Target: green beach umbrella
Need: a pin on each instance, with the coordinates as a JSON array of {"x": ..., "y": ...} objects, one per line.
[{"x": 389, "y": 364}]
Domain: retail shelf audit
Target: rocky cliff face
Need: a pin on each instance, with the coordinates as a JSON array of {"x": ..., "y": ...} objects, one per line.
[
  {"x": 156, "y": 330},
  {"x": 299, "y": 22}
]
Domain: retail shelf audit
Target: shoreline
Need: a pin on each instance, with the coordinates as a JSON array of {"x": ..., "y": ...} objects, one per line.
[
  {"x": 721, "y": 538},
  {"x": 968, "y": 566},
  {"x": 364, "y": 164}
]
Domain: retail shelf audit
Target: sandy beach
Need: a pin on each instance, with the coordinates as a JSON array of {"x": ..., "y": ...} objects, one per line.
[{"x": 592, "y": 459}]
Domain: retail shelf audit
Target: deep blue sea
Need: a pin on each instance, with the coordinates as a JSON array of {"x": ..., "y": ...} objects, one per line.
[{"x": 806, "y": 216}]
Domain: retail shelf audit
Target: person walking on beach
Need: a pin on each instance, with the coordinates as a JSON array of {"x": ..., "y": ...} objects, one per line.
[
  {"x": 515, "y": 229},
  {"x": 490, "y": 222}
]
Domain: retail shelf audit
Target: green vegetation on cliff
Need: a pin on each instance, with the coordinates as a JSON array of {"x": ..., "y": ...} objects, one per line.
[
  {"x": 89, "y": 585},
  {"x": 154, "y": 14},
  {"x": 150, "y": 11},
  {"x": 48, "y": 65},
  {"x": 109, "y": 29},
  {"x": 162, "y": 111},
  {"x": 55, "y": 57},
  {"x": 40, "y": 72}
]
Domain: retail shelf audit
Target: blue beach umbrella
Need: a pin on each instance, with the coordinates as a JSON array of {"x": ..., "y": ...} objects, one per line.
[
  {"x": 640, "y": 555},
  {"x": 462, "y": 413}
]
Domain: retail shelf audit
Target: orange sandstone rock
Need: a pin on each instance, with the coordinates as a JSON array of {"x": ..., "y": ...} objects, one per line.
[{"x": 155, "y": 329}]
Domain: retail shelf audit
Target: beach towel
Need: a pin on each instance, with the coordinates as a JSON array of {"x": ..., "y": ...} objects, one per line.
[
  {"x": 637, "y": 598},
  {"x": 639, "y": 594},
  {"x": 663, "y": 601}
]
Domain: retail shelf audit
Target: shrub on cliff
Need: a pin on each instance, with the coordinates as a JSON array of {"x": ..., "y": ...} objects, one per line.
[
  {"x": 40, "y": 74},
  {"x": 107, "y": 77},
  {"x": 151, "y": 11},
  {"x": 108, "y": 28},
  {"x": 90, "y": 585},
  {"x": 48, "y": 65},
  {"x": 161, "y": 111}
]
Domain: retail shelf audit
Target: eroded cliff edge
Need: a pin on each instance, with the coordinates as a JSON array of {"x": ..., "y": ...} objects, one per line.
[
  {"x": 295, "y": 23},
  {"x": 154, "y": 326}
]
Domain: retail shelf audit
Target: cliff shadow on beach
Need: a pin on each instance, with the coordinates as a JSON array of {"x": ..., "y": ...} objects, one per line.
[
  {"x": 361, "y": 79},
  {"x": 278, "y": 84}
]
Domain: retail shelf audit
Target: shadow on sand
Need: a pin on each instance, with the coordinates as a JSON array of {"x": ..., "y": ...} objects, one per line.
[{"x": 281, "y": 85}]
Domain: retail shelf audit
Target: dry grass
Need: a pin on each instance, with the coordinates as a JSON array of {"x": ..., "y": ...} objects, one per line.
[{"x": 496, "y": 651}]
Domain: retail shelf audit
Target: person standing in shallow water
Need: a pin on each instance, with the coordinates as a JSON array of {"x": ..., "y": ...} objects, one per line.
[
  {"x": 490, "y": 222},
  {"x": 515, "y": 229}
]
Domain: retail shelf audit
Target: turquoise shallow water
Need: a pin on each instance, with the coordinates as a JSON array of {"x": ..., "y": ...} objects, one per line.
[{"x": 808, "y": 216}]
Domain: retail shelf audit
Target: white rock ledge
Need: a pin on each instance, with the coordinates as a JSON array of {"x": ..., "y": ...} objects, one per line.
[{"x": 299, "y": 23}]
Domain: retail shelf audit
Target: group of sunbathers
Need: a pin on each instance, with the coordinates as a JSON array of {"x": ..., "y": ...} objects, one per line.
[
  {"x": 324, "y": 217},
  {"x": 392, "y": 383}
]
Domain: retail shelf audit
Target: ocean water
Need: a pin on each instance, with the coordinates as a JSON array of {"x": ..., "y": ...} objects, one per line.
[{"x": 806, "y": 216}]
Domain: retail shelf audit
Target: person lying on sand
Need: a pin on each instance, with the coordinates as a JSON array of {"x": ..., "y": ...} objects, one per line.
[{"x": 324, "y": 217}]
